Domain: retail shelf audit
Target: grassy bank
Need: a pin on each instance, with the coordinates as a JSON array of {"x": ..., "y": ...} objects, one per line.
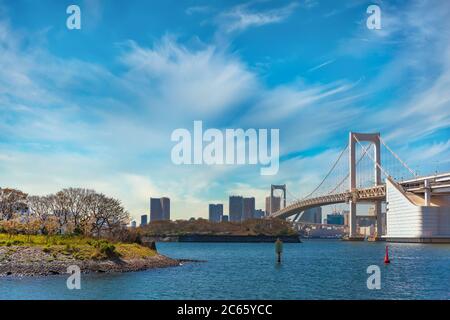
[{"x": 80, "y": 248}]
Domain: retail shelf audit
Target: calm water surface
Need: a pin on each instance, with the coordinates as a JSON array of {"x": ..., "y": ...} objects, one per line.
[{"x": 315, "y": 269}]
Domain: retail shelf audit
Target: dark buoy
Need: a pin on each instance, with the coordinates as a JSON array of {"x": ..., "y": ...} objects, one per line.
[
  {"x": 278, "y": 249},
  {"x": 386, "y": 256}
]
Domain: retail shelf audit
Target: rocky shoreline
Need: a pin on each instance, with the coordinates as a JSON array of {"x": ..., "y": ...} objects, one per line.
[{"x": 32, "y": 261}]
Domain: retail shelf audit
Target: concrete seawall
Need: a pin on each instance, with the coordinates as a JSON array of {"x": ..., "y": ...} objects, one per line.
[{"x": 224, "y": 238}]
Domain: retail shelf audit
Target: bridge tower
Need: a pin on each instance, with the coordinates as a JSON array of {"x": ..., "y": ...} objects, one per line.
[
  {"x": 375, "y": 139},
  {"x": 281, "y": 187}
]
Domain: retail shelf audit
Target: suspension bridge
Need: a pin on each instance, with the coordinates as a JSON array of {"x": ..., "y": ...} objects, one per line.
[{"x": 418, "y": 207}]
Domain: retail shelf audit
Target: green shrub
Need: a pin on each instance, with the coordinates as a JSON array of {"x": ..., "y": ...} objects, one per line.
[{"x": 108, "y": 249}]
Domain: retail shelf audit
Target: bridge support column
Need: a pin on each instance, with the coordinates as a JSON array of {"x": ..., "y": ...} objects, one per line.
[
  {"x": 281, "y": 187},
  {"x": 378, "y": 217},
  {"x": 427, "y": 192},
  {"x": 352, "y": 219}
]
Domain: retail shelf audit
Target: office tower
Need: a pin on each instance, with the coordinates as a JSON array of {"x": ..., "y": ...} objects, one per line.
[
  {"x": 159, "y": 209},
  {"x": 276, "y": 204},
  {"x": 334, "y": 218},
  {"x": 249, "y": 208},
  {"x": 165, "y": 203},
  {"x": 133, "y": 224},
  {"x": 224, "y": 218},
  {"x": 313, "y": 215},
  {"x": 236, "y": 208},
  {"x": 215, "y": 212},
  {"x": 143, "y": 220}
]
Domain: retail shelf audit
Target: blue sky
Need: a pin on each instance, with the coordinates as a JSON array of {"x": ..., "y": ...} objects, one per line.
[{"x": 96, "y": 107}]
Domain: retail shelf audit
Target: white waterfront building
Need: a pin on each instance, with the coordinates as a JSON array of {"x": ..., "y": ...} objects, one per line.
[{"x": 412, "y": 218}]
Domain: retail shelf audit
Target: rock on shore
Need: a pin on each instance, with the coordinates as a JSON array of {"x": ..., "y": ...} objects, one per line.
[{"x": 33, "y": 261}]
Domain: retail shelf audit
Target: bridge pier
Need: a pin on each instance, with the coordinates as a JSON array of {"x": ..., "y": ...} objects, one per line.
[
  {"x": 352, "y": 219},
  {"x": 378, "y": 217},
  {"x": 281, "y": 187},
  {"x": 373, "y": 138}
]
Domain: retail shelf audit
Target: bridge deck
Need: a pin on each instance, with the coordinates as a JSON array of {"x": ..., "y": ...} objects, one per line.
[{"x": 437, "y": 182}]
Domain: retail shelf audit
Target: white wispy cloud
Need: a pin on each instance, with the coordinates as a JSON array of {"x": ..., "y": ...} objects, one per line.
[
  {"x": 321, "y": 65},
  {"x": 198, "y": 10},
  {"x": 201, "y": 83},
  {"x": 242, "y": 17}
]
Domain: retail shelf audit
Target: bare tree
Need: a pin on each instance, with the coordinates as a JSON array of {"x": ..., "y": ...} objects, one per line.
[
  {"x": 107, "y": 215},
  {"x": 11, "y": 201},
  {"x": 72, "y": 210},
  {"x": 40, "y": 208},
  {"x": 76, "y": 203}
]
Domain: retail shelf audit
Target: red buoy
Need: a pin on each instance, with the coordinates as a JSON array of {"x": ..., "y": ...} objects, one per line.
[{"x": 386, "y": 256}]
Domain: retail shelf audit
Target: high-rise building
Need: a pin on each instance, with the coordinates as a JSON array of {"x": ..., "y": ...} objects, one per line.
[
  {"x": 249, "y": 208},
  {"x": 215, "y": 212},
  {"x": 133, "y": 224},
  {"x": 334, "y": 218},
  {"x": 166, "y": 208},
  {"x": 143, "y": 220},
  {"x": 159, "y": 209},
  {"x": 276, "y": 204},
  {"x": 236, "y": 208},
  {"x": 224, "y": 218},
  {"x": 313, "y": 215}
]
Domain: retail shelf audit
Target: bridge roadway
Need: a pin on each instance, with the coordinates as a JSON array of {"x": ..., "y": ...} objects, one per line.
[{"x": 438, "y": 183}]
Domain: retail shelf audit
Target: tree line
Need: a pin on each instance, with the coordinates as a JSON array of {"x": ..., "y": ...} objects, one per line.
[{"x": 69, "y": 211}]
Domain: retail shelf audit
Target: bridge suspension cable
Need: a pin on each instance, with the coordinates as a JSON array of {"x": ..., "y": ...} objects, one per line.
[
  {"x": 371, "y": 158},
  {"x": 328, "y": 174},
  {"x": 348, "y": 174},
  {"x": 398, "y": 158}
]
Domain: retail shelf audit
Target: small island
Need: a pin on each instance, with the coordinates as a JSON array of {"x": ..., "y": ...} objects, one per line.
[
  {"x": 44, "y": 235},
  {"x": 41, "y": 256}
]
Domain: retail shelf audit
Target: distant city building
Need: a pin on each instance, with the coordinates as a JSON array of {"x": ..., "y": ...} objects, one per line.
[
  {"x": 336, "y": 219},
  {"x": 346, "y": 213},
  {"x": 365, "y": 221},
  {"x": 159, "y": 209},
  {"x": 143, "y": 220},
  {"x": 259, "y": 214},
  {"x": 236, "y": 208},
  {"x": 249, "y": 208},
  {"x": 276, "y": 204},
  {"x": 313, "y": 215},
  {"x": 133, "y": 224},
  {"x": 224, "y": 218},
  {"x": 215, "y": 212}
]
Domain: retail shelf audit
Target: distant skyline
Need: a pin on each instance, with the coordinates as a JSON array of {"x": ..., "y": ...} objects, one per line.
[{"x": 96, "y": 107}]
